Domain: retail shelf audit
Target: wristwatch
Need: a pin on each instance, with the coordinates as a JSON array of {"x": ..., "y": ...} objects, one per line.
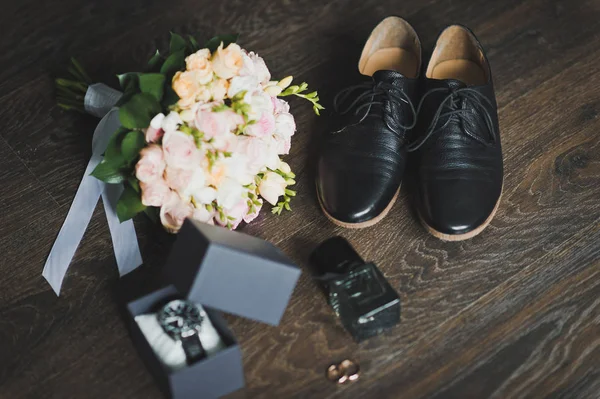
[{"x": 182, "y": 321}]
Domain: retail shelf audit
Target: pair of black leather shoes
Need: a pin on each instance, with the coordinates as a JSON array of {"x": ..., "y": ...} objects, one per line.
[{"x": 449, "y": 117}]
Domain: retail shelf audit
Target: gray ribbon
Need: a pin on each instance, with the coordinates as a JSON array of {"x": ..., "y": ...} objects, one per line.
[{"x": 99, "y": 101}]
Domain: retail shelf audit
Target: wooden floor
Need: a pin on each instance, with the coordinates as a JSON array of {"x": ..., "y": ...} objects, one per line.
[{"x": 512, "y": 313}]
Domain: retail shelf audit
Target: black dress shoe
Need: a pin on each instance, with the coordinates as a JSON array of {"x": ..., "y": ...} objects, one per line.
[
  {"x": 460, "y": 157},
  {"x": 360, "y": 165}
]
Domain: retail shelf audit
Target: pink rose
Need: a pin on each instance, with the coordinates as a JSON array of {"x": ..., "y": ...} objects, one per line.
[
  {"x": 174, "y": 212},
  {"x": 251, "y": 216},
  {"x": 259, "y": 153},
  {"x": 280, "y": 106},
  {"x": 180, "y": 150},
  {"x": 151, "y": 165},
  {"x": 178, "y": 179},
  {"x": 153, "y": 134},
  {"x": 214, "y": 124},
  {"x": 155, "y": 193},
  {"x": 265, "y": 126}
]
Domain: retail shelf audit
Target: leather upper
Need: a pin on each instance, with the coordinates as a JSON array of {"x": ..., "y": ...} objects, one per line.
[
  {"x": 360, "y": 166},
  {"x": 460, "y": 165}
]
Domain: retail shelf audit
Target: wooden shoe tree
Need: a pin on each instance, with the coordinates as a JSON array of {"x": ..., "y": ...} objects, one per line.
[
  {"x": 456, "y": 56},
  {"x": 393, "y": 45}
]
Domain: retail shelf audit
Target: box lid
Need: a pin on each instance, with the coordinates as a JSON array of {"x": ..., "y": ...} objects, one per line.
[{"x": 231, "y": 271}]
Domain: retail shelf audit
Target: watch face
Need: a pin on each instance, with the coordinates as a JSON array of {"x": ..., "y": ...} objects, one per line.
[{"x": 180, "y": 319}]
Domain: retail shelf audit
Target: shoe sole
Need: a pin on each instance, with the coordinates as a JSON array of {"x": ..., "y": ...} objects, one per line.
[
  {"x": 361, "y": 225},
  {"x": 464, "y": 236}
]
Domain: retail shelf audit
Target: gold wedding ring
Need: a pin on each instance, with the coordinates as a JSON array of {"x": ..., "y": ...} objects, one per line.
[{"x": 342, "y": 372}]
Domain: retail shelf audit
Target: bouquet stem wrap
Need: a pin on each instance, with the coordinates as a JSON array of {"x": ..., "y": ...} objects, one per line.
[{"x": 99, "y": 101}]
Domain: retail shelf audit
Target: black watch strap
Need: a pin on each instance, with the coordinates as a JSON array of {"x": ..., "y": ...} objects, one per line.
[{"x": 193, "y": 348}]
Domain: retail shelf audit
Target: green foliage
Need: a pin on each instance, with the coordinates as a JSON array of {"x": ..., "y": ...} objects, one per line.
[
  {"x": 108, "y": 172},
  {"x": 129, "y": 204},
  {"x": 132, "y": 144},
  {"x": 299, "y": 91},
  {"x": 139, "y": 111},
  {"x": 214, "y": 43},
  {"x": 153, "y": 84}
]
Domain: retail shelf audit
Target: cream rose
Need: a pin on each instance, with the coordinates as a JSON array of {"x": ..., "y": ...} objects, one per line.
[
  {"x": 174, "y": 212},
  {"x": 155, "y": 193},
  {"x": 228, "y": 61},
  {"x": 180, "y": 150},
  {"x": 151, "y": 165},
  {"x": 186, "y": 86},
  {"x": 218, "y": 89},
  {"x": 199, "y": 62},
  {"x": 272, "y": 186}
]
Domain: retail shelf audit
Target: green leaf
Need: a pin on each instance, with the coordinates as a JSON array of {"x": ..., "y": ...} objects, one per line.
[
  {"x": 113, "y": 149},
  {"x": 108, "y": 172},
  {"x": 132, "y": 143},
  {"x": 194, "y": 46},
  {"x": 177, "y": 43},
  {"x": 175, "y": 62},
  {"x": 154, "y": 61},
  {"x": 170, "y": 97},
  {"x": 128, "y": 80},
  {"x": 135, "y": 183},
  {"x": 214, "y": 43},
  {"x": 139, "y": 111},
  {"x": 152, "y": 83},
  {"x": 129, "y": 205}
]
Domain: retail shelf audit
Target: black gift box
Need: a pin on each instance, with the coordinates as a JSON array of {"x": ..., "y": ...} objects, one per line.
[{"x": 223, "y": 271}]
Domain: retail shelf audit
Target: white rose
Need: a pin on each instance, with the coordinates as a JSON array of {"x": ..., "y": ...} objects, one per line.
[
  {"x": 229, "y": 193},
  {"x": 247, "y": 65},
  {"x": 272, "y": 186},
  {"x": 242, "y": 83},
  {"x": 205, "y": 195},
  {"x": 259, "y": 152},
  {"x": 156, "y": 122},
  {"x": 171, "y": 122},
  {"x": 260, "y": 68},
  {"x": 285, "y": 126},
  {"x": 237, "y": 168},
  {"x": 228, "y": 61},
  {"x": 201, "y": 214},
  {"x": 259, "y": 102}
]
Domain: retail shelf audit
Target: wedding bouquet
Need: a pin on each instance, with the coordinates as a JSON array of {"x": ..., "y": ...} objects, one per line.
[{"x": 202, "y": 134}]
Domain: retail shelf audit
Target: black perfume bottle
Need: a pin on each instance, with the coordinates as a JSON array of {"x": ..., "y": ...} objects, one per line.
[{"x": 361, "y": 297}]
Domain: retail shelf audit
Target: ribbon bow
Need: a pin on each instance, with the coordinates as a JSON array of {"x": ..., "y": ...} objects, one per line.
[{"x": 99, "y": 101}]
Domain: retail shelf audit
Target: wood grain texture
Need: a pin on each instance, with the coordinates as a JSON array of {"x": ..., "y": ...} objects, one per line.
[{"x": 512, "y": 313}]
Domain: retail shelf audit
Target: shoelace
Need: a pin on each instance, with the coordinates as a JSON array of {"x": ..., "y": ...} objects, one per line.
[
  {"x": 453, "y": 101},
  {"x": 372, "y": 93},
  {"x": 376, "y": 93}
]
